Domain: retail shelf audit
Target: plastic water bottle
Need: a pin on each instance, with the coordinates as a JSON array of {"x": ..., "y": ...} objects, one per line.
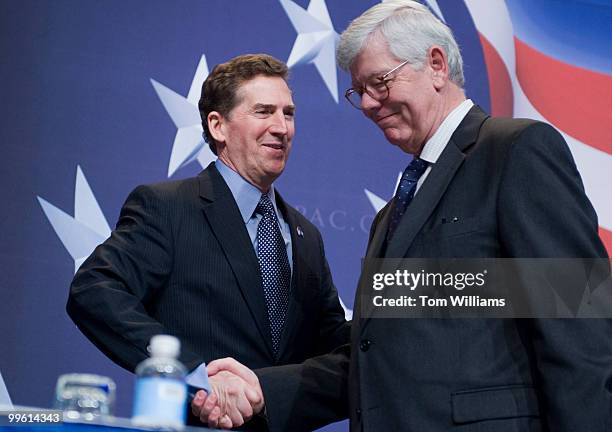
[{"x": 161, "y": 393}]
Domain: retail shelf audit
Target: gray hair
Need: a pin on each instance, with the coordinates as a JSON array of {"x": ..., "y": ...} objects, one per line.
[{"x": 409, "y": 29}]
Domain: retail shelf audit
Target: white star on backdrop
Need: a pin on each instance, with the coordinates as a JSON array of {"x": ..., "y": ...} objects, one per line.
[
  {"x": 348, "y": 312},
  {"x": 315, "y": 42},
  {"x": 5, "y": 398},
  {"x": 377, "y": 202},
  {"x": 189, "y": 144},
  {"x": 86, "y": 230}
]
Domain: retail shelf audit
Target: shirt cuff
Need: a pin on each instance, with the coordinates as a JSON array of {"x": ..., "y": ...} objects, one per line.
[{"x": 198, "y": 380}]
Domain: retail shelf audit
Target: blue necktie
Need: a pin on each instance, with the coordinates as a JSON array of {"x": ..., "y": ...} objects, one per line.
[
  {"x": 274, "y": 266},
  {"x": 405, "y": 192}
]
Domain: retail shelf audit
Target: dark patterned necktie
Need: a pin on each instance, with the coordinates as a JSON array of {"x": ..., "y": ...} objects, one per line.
[
  {"x": 274, "y": 266},
  {"x": 405, "y": 193}
]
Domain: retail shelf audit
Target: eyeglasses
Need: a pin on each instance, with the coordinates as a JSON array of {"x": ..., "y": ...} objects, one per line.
[{"x": 377, "y": 88}]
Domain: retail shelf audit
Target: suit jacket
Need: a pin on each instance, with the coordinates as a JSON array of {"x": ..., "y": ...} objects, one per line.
[
  {"x": 514, "y": 190},
  {"x": 181, "y": 262}
]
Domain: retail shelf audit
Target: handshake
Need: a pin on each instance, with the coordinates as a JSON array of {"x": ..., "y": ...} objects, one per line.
[{"x": 235, "y": 396}]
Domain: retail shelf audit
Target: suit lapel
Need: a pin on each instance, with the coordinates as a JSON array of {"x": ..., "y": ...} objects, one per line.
[
  {"x": 425, "y": 200},
  {"x": 378, "y": 240},
  {"x": 374, "y": 251},
  {"x": 298, "y": 284},
  {"x": 223, "y": 215},
  {"x": 435, "y": 185}
]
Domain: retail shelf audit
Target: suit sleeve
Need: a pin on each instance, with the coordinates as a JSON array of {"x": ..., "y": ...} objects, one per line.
[
  {"x": 303, "y": 397},
  {"x": 109, "y": 292},
  {"x": 544, "y": 213},
  {"x": 306, "y": 396}
]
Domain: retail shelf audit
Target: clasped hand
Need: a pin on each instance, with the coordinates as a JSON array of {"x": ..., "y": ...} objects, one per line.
[{"x": 235, "y": 396}]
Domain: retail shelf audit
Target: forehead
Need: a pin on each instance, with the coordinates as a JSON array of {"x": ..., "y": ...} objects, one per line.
[
  {"x": 265, "y": 90},
  {"x": 374, "y": 59}
]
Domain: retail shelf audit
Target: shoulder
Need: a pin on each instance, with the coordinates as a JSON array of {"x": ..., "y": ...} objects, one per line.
[
  {"x": 517, "y": 129},
  {"x": 167, "y": 191},
  {"x": 504, "y": 128},
  {"x": 535, "y": 142},
  {"x": 507, "y": 138},
  {"x": 162, "y": 200}
]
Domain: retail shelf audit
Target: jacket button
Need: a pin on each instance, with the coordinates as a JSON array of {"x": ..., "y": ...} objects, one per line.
[
  {"x": 358, "y": 413},
  {"x": 365, "y": 345}
]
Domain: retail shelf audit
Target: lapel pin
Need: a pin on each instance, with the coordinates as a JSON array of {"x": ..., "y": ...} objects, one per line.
[{"x": 300, "y": 233}]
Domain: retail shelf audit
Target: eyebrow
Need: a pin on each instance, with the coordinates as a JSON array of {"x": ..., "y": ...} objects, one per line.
[
  {"x": 271, "y": 107},
  {"x": 372, "y": 75}
]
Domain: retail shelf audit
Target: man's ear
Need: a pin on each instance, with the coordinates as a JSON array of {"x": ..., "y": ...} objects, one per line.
[
  {"x": 438, "y": 64},
  {"x": 215, "y": 126}
]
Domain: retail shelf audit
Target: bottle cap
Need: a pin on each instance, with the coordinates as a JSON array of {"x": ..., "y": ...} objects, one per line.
[{"x": 164, "y": 346}]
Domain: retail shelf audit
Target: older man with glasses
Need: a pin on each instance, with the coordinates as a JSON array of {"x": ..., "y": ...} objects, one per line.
[{"x": 475, "y": 187}]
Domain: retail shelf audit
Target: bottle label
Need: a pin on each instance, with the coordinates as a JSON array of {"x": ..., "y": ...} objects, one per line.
[{"x": 160, "y": 401}]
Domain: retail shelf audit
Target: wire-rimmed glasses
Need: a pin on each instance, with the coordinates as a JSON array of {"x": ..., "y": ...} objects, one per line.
[{"x": 377, "y": 88}]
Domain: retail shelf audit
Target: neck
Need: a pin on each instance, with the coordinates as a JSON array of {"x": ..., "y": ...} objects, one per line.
[
  {"x": 262, "y": 184},
  {"x": 453, "y": 99}
]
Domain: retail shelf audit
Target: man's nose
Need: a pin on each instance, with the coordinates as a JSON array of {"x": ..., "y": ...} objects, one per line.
[
  {"x": 369, "y": 104},
  {"x": 279, "y": 124}
]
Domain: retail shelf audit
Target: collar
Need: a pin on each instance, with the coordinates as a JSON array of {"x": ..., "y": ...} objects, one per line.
[
  {"x": 245, "y": 194},
  {"x": 435, "y": 145}
]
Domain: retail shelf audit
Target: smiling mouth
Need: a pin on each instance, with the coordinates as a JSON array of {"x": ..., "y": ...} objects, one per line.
[
  {"x": 380, "y": 119},
  {"x": 276, "y": 146}
]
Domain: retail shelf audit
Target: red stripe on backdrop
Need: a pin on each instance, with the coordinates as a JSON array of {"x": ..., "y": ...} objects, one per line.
[
  {"x": 606, "y": 237},
  {"x": 500, "y": 86},
  {"x": 576, "y": 100}
]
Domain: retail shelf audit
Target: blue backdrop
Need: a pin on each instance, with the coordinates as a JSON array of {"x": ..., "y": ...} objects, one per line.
[{"x": 94, "y": 93}]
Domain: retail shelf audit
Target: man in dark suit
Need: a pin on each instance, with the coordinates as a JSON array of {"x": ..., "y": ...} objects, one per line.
[
  {"x": 220, "y": 260},
  {"x": 477, "y": 187}
]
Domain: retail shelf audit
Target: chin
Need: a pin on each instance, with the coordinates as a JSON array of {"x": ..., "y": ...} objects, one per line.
[
  {"x": 392, "y": 135},
  {"x": 393, "y": 139},
  {"x": 275, "y": 171}
]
